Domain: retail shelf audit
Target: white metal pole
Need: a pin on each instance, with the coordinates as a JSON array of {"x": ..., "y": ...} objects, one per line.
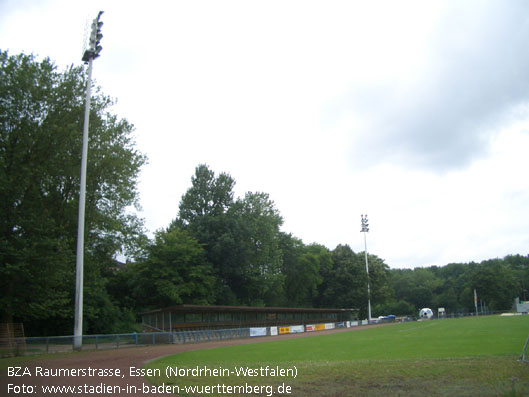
[
  {"x": 368, "y": 289},
  {"x": 78, "y": 321}
]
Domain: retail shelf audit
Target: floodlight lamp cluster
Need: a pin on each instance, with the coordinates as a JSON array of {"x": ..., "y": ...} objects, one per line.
[
  {"x": 365, "y": 224},
  {"x": 95, "y": 48}
]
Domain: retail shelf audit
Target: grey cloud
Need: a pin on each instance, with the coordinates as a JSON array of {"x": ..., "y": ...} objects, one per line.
[{"x": 478, "y": 73}]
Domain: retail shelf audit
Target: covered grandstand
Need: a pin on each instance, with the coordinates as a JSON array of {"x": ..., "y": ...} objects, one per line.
[{"x": 195, "y": 317}]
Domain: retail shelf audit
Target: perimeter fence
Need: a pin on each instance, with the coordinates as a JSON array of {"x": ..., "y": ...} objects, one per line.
[{"x": 58, "y": 344}]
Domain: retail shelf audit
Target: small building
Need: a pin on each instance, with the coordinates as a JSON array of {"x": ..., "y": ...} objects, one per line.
[
  {"x": 194, "y": 317},
  {"x": 521, "y": 307}
]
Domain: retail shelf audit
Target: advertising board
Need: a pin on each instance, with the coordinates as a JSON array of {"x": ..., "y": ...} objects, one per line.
[{"x": 258, "y": 331}]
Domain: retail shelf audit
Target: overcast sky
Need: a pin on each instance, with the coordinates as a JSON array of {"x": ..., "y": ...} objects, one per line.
[{"x": 413, "y": 112}]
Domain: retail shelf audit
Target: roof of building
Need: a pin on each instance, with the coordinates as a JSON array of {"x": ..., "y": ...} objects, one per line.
[{"x": 212, "y": 308}]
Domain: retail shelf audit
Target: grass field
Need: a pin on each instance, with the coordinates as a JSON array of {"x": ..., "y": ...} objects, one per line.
[{"x": 452, "y": 357}]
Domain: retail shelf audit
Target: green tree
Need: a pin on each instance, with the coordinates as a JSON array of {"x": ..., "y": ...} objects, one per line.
[
  {"x": 495, "y": 283},
  {"x": 345, "y": 286},
  {"x": 398, "y": 308},
  {"x": 378, "y": 279},
  {"x": 208, "y": 196},
  {"x": 257, "y": 221},
  {"x": 454, "y": 278},
  {"x": 241, "y": 238},
  {"x": 301, "y": 267},
  {"x": 41, "y": 122},
  {"x": 203, "y": 213},
  {"x": 520, "y": 267},
  {"x": 175, "y": 272},
  {"x": 417, "y": 286}
]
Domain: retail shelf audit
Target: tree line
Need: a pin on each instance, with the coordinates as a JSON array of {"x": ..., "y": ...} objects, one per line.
[
  {"x": 219, "y": 249},
  {"x": 231, "y": 251},
  {"x": 238, "y": 255},
  {"x": 497, "y": 283}
]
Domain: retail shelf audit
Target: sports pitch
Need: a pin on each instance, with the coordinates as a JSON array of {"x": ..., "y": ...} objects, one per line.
[{"x": 452, "y": 357}]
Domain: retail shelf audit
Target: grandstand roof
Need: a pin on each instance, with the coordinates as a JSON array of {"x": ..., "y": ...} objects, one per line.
[{"x": 213, "y": 308}]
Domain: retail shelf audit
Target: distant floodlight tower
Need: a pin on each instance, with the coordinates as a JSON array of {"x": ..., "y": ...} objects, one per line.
[
  {"x": 89, "y": 55},
  {"x": 365, "y": 230}
]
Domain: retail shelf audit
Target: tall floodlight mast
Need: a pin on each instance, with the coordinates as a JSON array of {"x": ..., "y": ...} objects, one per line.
[
  {"x": 365, "y": 230},
  {"x": 89, "y": 55}
]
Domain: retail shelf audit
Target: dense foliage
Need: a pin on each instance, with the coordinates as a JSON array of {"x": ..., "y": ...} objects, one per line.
[
  {"x": 41, "y": 124},
  {"x": 219, "y": 249},
  {"x": 252, "y": 262},
  {"x": 497, "y": 283}
]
